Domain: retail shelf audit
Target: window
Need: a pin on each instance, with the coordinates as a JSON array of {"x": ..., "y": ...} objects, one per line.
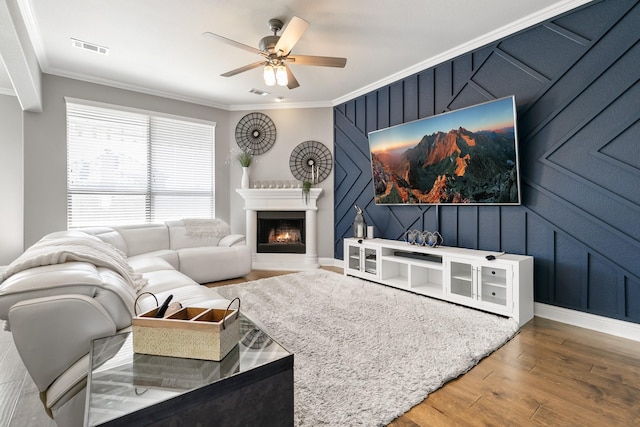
[{"x": 129, "y": 167}]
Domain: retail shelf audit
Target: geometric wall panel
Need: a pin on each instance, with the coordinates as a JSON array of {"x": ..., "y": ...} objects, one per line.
[
  {"x": 623, "y": 147},
  {"x": 576, "y": 80}
]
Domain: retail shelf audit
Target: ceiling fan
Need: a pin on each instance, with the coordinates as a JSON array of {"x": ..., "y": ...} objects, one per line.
[{"x": 276, "y": 53}]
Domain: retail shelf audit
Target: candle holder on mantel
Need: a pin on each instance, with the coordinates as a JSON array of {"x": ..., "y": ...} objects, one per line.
[{"x": 311, "y": 161}]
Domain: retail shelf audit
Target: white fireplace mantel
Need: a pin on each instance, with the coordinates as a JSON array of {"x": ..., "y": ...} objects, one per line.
[{"x": 282, "y": 199}]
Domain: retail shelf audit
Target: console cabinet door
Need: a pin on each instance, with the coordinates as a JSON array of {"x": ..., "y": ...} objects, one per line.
[
  {"x": 484, "y": 286},
  {"x": 462, "y": 283},
  {"x": 361, "y": 260},
  {"x": 370, "y": 260},
  {"x": 495, "y": 287},
  {"x": 352, "y": 253}
]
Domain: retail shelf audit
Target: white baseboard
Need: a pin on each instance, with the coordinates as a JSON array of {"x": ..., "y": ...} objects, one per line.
[
  {"x": 606, "y": 325},
  {"x": 331, "y": 262}
]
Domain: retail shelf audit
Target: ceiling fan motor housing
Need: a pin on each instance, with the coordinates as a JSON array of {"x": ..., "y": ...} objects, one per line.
[
  {"x": 275, "y": 25},
  {"x": 268, "y": 43}
]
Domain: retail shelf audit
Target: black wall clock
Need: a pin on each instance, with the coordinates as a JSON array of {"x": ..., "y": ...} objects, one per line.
[
  {"x": 255, "y": 133},
  {"x": 311, "y": 161}
]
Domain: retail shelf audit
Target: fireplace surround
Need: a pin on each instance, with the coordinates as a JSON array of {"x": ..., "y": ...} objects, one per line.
[{"x": 259, "y": 201}]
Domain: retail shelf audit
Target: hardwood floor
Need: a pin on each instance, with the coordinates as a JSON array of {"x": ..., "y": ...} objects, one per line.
[{"x": 549, "y": 374}]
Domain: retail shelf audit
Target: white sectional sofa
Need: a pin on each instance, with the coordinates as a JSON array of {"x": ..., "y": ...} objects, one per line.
[
  {"x": 75, "y": 286},
  {"x": 205, "y": 255}
]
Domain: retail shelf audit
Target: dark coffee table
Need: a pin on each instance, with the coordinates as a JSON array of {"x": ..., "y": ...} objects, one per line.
[{"x": 252, "y": 385}]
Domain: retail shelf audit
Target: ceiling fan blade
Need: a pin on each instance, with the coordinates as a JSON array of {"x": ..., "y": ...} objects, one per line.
[
  {"x": 232, "y": 43},
  {"x": 322, "y": 61},
  {"x": 243, "y": 69},
  {"x": 295, "y": 29},
  {"x": 292, "y": 83}
]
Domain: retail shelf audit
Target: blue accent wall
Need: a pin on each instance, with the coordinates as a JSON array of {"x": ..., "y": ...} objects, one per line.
[{"x": 576, "y": 79}]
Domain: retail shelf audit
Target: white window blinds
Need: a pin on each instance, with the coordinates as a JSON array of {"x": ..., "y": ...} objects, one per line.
[{"x": 125, "y": 167}]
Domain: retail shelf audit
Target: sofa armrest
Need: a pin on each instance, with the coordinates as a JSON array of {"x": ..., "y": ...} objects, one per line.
[
  {"x": 232, "y": 240},
  {"x": 52, "y": 333}
]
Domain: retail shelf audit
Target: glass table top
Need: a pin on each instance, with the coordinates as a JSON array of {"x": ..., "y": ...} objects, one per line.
[{"x": 121, "y": 381}]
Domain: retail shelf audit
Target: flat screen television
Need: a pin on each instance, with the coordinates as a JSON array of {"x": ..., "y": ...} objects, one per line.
[{"x": 466, "y": 156}]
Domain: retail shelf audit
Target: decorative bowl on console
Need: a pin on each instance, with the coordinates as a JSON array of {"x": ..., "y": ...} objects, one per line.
[{"x": 423, "y": 238}]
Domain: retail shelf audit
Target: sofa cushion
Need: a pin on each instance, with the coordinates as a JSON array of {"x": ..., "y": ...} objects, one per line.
[
  {"x": 49, "y": 280},
  {"x": 210, "y": 264},
  {"x": 107, "y": 235},
  {"x": 160, "y": 281},
  {"x": 64, "y": 233},
  {"x": 145, "y": 264},
  {"x": 144, "y": 238},
  {"x": 232, "y": 239},
  {"x": 166, "y": 254}
]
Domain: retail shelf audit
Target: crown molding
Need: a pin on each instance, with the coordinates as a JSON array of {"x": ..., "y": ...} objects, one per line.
[
  {"x": 10, "y": 92},
  {"x": 136, "y": 88},
  {"x": 499, "y": 33},
  {"x": 31, "y": 24},
  {"x": 282, "y": 106}
]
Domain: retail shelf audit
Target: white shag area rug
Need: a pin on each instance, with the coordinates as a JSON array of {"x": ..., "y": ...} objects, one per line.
[{"x": 365, "y": 353}]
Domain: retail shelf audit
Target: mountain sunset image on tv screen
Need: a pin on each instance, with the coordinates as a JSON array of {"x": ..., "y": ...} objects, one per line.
[{"x": 466, "y": 156}]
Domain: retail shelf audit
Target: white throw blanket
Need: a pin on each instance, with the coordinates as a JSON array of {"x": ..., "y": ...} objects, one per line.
[
  {"x": 203, "y": 228},
  {"x": 85, "y": 249}
]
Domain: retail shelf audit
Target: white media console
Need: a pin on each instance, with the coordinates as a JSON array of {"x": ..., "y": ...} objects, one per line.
[{"x": 491, "y": 281}]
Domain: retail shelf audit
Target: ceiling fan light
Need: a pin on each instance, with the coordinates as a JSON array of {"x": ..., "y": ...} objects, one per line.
[
  {"x": 281, "y": 75},
  {"x": 269, "y": 75}
]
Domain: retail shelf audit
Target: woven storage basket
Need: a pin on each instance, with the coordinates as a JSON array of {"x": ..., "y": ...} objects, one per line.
[{"x": 192, "y": 332}]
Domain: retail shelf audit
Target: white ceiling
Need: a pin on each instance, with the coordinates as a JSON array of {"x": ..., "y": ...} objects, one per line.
[{"x": 157, "y": 47}]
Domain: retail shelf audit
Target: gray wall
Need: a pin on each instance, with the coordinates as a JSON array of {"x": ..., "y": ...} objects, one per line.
[
  {"x": 45, "y": 148},
  {"x": 11, "y": 179},
  {"x": 293, "y": 126},
  {"x": 45, "y": 154}
]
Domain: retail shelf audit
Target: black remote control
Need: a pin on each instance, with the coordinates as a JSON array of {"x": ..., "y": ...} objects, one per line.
[{"x": 164, "y": 306}]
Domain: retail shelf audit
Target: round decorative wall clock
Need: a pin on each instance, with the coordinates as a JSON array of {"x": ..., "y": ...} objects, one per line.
[
  {"x": 311, "y": 161},
  {"x": 255, "y": 133}
]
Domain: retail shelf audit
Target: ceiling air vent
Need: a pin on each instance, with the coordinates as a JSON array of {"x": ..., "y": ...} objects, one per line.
[
  {"x": 259, "y": 92},
  {"x": 89, "y": 46}
]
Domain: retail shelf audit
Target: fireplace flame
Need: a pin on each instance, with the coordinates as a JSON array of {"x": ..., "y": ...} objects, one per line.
[
  {"x": 284, "y": 235},
  {"x": 283, "y": 238}
]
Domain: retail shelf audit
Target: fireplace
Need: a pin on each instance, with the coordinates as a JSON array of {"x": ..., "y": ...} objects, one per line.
[
  {"x": 289, "y": 200},
  {"x": 281, "y": 232}
]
